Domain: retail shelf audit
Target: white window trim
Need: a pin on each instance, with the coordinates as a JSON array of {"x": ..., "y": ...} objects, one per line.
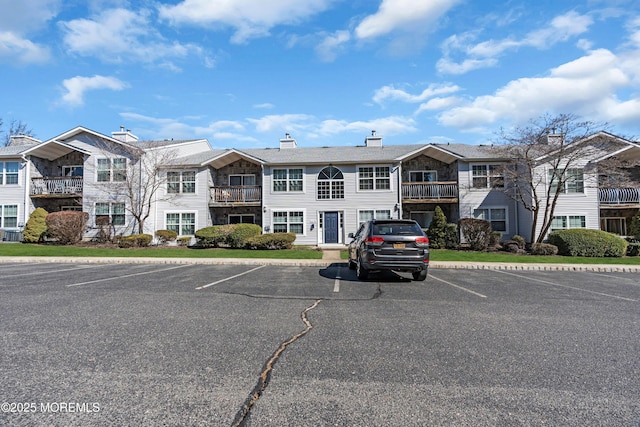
[
  {"x": 304, "y": 219},
  {"x": 110, "y": 215},
  {"x": 488, "y": 176},
  {"x": 2, "y": 217},
  {"x": 330, "y": 181},
  {"x": 3, "y": 173},
  {"x": 111, "y": 170},
  {"x": 507, "y": 227},
  {"x": 374, "y": 210},
  {"x": 288, "y": 168},
  {"x": 375, "y": 190},
  {"x": 176, "y": 211},
  {"x": 566, "y": 217},
  {"x": 564, "y": 192},
  {"x": 181, "y": 171}
]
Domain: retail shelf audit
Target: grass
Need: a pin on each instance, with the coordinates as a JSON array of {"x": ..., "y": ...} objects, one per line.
[
  {"x": 20, "y": 249},
  {"x": 484, "y": 257}
]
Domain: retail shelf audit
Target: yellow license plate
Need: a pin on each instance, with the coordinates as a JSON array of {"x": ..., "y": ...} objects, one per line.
[{"x": 398, "y": 246}]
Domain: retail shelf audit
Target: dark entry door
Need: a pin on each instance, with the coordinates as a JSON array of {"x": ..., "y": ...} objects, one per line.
[{"x": 331, "y": 227}]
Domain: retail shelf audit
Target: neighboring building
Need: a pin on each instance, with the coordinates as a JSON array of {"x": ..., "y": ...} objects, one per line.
[{"x": 320, "y": 193}]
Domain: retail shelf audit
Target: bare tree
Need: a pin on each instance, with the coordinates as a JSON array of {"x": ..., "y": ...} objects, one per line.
[
  {"x": 561, "y": 142},
  {"x": 16, "y": 127}
]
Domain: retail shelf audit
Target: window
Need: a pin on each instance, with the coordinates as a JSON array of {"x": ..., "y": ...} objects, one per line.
[
  {"x": 72, "y": 171},
  {"x": 112, "y": 170},
  {"x": 242, "y": 219},
  {"x": 330, "y": 183},
  {"x": 183, "y": 223},
  {"x": 366, "y": 215},
  {"x": 8, "y": 216},
  {"x": 242, "y": 180},
  {"x": 9, "y": 173},
  {"x": 496, "y": 216},
  {"x": 181, "y": 182},
  {"x": 374, "y": 178},
  {"x": 112, "y": 212},
  {"x": 562, "y": 222},
  {"x": 573, "y": 180},
  {"x": 287, "y": 179},
  {"x": 487, "y": 176},
  {"x": 288, "y": 222},
  {"x": 423, "y": 176}
]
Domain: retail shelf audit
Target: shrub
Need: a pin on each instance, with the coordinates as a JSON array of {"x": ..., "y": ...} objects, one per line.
[
  {"x": 165, "y": 236},
  {"x": 494, "y": 238},
  {"x": 36, "y": 226},
  {"x": 634, "y": 226},
  {"x": 271, "y": 241},
  {"x": 519, "y": 241},
  {"x": 184, "y": 241},
  {"x": 135, "y": 241},
  {"x": 451, "y": 236},
  {"x": 436, "y": 231},
  {"x": 633, "y": 249},
  {"x": 239, "y": 234},
  {"x": 104, "y": 229},
  {"x": 477, "y": 232},
  {"x": 214, "y": 236},
  {"x": 543, "y": 249},
  {"x": 67, "y": 227},
  {"x": 588, "y": 243},
  {"x": 511, "y": 246}
]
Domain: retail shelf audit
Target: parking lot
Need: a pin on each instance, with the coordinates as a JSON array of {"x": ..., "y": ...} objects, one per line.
[{"x": 272, "y": 345}]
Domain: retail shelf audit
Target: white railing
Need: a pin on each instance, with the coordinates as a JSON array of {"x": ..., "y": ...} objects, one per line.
[
  {"x": 236, "y": 194},
  {"x": 56, "y": 185},
  {"x": 429, "y": 190},
  {"x": 619, "y": 196}
]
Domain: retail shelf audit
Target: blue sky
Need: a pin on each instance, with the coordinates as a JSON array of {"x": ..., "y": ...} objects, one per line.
[{"x": 242, "y": 73}]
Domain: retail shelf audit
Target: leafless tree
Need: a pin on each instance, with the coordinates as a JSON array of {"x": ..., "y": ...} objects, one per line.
[
  {"x": 562, "y": 142},
  {"x": 16, "y": 127}
]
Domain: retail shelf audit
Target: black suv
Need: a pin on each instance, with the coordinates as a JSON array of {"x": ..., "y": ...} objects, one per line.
[{"x": 389, "y": 244}]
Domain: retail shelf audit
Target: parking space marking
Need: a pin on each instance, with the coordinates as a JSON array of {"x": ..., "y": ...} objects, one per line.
[
  {"x": 229, "y": 278},
  {"x": 568, "y": 287},
  {"x": 126, "y": 275},
  {"x": 457, "y": 286},
  {"x": 55, "y": 271},
  {"x": 336, "y": 283},
  {"x": 632, "y": 279}
]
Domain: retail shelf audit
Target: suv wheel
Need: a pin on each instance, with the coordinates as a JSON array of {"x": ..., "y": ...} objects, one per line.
[
  {"x": 361, "y": 271},
  {"x": 420, "y": 275}
]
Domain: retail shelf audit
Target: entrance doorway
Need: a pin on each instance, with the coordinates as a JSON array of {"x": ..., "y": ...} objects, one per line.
[{"x": 331, "y": 227}]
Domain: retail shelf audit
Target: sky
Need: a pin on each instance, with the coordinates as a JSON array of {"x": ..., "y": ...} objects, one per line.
[{"x": 243, "y": 73}]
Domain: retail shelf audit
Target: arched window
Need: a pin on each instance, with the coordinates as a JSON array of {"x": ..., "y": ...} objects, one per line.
[{"x": 330, "y": 183}]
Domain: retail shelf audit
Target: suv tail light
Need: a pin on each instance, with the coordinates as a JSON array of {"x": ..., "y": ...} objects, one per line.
[
  {"x": 422, "y": 241},
  {"x": 374, "y": 240}
]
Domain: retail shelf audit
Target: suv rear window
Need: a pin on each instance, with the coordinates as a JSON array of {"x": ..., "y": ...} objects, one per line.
[{"x": 394, "y": 228}]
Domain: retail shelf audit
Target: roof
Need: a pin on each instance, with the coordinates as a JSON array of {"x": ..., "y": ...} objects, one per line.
[{"x": 14, "y": 150}]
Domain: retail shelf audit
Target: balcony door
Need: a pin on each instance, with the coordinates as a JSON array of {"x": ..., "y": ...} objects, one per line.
[
  {"x": 72, "y": 171},
  {"x": 242, "y": 180}
]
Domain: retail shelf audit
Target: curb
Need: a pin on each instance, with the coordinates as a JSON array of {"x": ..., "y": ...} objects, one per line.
[{"x": 601, "y": 268}]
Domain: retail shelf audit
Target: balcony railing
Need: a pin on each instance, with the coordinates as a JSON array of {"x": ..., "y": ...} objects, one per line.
[
  {"x": 236, "y": 194},
  {"x": 619, "y": 196},
  {"x": 430, "y": 191},
  {"x": 56, "y": 186}
]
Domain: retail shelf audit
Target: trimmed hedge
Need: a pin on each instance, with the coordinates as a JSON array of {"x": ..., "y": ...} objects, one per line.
[
  {"x": 239, "y": 234},
  {"x": 271, "y": 241},
  {"x": 36, "y": 227},
  {"x": 135, "y": 241},
  {"x": 231, "y": 235},
  {"x": 543, "y": 249},
  {"x": 165, "y": 236},
  {"x": 588, "y": 243}
]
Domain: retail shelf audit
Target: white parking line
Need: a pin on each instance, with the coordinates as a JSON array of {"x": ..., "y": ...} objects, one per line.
[
  {"x": 633, "y": 279},
  {"x": 336, "y": 283},
  {"x": 126, "y": 275},
  {"x": 568, "y": 287},
  {"x": 457, "y": 286},
  {"x": 50, "y": 271},
  {"x": 229, "y": 278}
]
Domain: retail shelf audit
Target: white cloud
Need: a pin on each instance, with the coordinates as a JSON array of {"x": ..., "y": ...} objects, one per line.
[
  {"x": 328, "y": 49},
  {"x": 392, "y": 125},
  {"x": 284, "y": 122},
  {"x": 249, "y": 18},
  {"x": 77, "y": 86},
  {"x": 411, "y": 15},
  {"x": 438, "y": 104},
  {"x": 484, "y": 54},
  {"x": 587, "y": 86},
  {"x": 21, "y": 51},
  {"x": 24, "y": 16},
  {"x": 391, "y": 93},
  {"x": 264, "y": 106},
  {"x": 121, "y": 35}
]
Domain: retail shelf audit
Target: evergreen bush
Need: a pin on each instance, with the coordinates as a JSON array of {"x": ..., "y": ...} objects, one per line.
[
  {"x": 436, "y": 231},
  {"x": 165, "y": 236},
  {"x": 237, "y": 237},
  {"x": 588, "y": 243},
  {"x": 451, "y": 236},
  {"x": 543, "y": 249},
  {"x": 135, "y": 241},
  {"x": 36, "y": 227},
  {"x": 271, "y": 241}
]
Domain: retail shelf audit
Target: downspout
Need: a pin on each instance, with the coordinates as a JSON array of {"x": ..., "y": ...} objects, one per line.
[
  {"x": 399, "y": 189},
  {"x": 27, "y": 189}
]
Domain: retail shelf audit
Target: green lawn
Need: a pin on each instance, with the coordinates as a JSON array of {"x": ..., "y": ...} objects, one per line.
[{"x": 20, "y": 249}]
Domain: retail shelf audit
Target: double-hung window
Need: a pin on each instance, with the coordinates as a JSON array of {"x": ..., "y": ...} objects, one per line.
[
  {"x": 367, "y": 214},
  {"x": 374, "y": 178},
  {"x": 562, "y": 222},
  {"x": 288, "y": 222},
  {"x": 113, "y": 213},
  {"x": 487, "y": 176},
  {"x": 112, "y": 170},
  {"x": 9, "y": 173},
  {"x": 183, "y": 223},
  {"x": 287, "y": 180},
  {"x": 8, "y": 216},
  {"x": 423, "y": 176},
  {"x": 496, "y": 216},
  {"x": 181, "y": 182},
  {"x": 573, "y": 180}
]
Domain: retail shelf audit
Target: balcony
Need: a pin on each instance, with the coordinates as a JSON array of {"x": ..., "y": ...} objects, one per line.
[
  {"x": 56, "y": 187},
  {"x": 430, "y": 192},
  {"x": 235, "y": 195},
  {"x": 619, "y": 197}
]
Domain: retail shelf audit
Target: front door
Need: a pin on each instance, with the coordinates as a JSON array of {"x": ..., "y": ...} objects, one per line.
[{"x": 331, "y": 227}]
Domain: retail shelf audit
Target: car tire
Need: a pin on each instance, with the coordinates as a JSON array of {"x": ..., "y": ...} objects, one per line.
[
  {"x": 361, "y": 270},
  {"x": 420, "y": 275},
  {"x": 352, "y": 265}
]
